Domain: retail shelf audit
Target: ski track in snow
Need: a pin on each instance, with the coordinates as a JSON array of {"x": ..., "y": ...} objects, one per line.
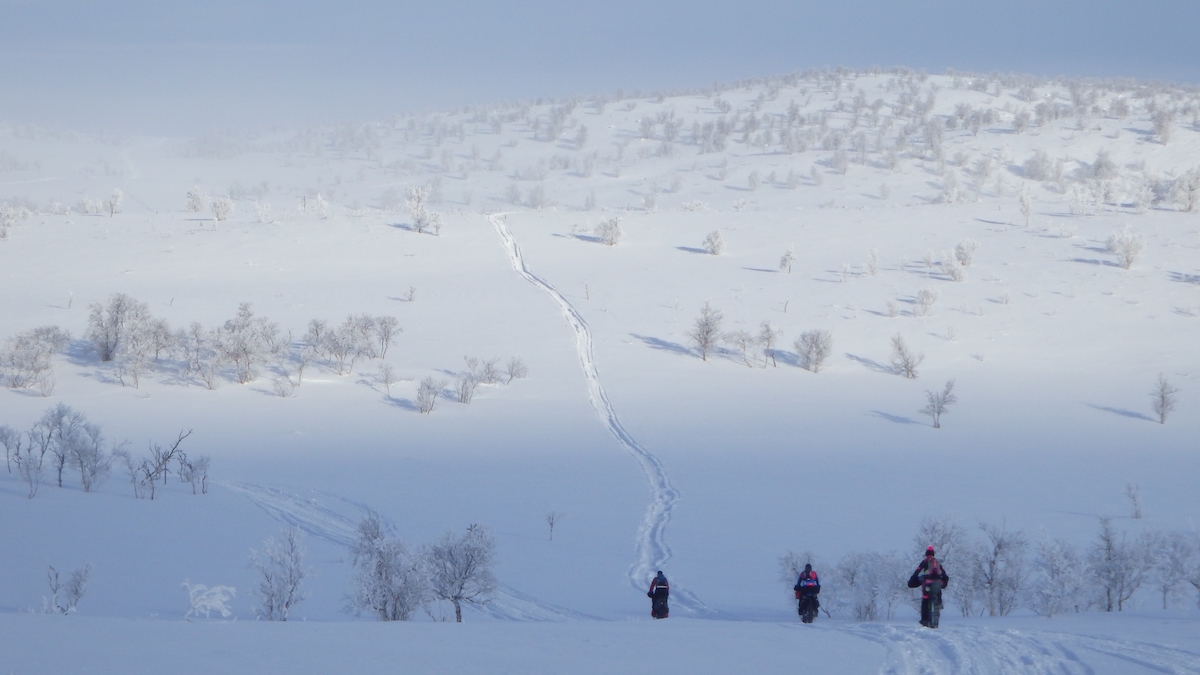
[
  {"x": 652, "y": 550},
  {"x": 972, "y": 650},
  {"x": 317, "y": 520}
]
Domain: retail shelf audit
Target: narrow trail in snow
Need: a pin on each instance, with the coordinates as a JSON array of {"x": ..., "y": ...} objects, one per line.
[
  {"x": 651, "y": 547},
  {"x": 314, "y": 517},
  {"x": 970, "y": 650}
]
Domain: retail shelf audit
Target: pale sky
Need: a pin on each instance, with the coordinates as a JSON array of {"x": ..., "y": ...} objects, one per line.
[{"x": 158, "y": 66}]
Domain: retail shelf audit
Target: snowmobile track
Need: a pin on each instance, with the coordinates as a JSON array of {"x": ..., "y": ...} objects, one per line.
[
  {"x": 970, "y": 650},
  {"x": 652, "y": 550},
  {"x": 322, "y": 522}
]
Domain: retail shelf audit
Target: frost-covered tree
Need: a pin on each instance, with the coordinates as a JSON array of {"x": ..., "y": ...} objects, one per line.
[
  {"x": 1115, "y": 566},
  {"x": 938, "y": 402},
  {"x": 222, "y": 208},
  {"x": 1126, "y": 246},
  {"x": 197, "y": 201},
  {"x": 767, "y": 337},
  {"x": 714, "y": 243},
  {"x": 1176, "y": 557},
  {"x": 388, "y": 581},
  {"x": 247, "y": 342},
  {"x": 964, "y": 252},
  {"x": 26, "y": 358},
  {"x": 706, "y": 332},
  {"x": 926, "y": 297},
  {"x": 609, "y": 231},
  {"x": 279, "y": 566},
  {"x": 813, "y": 348},
  {"x": 1056, "y": 582},
  {"x": 997, "y": 567},
  {"x": 515, "y": 369},
  {"x": 110, "y": 325},
  {"x": 1163, "y": 399},
  {"x": 428, "y": 392},
  {"x": 904, "y": 361},
  {"x": 114, "y": 202},
  {"x": 459, "y": 569}
]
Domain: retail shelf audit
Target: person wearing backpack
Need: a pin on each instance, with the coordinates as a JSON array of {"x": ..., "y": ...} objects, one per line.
[
  {"x": 807, "y": 587},
  {"x": 931, "y": 578},
  {"x": 658, "y": 593}
]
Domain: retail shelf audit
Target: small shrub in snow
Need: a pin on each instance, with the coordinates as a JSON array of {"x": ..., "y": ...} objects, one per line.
[
  {"x": 954, "y": 269},
  {"x": 516, "y": 369},
  {"x": 609, "y": 231},
  {"x": 428, "y": 392},
  {"x": 924, "y": 301},
  {"x": 694, "y": 206},
  {"x": 1163, "y": 399},
  {"x": 964, "y": 252},
  {"x": 904, "y": 361},
  {"x": 114, "y": 202},
  {"x": 65, "y": 596},
  {"x": 197, "y": 201},
  {"x": 814, "y": 348},
  {"x": 222, "y": 208},
  {"x": 714, "y": 243},
  {"x": 938, "y": 402},
  {"x": 707, "y": 330},
  {"x": 1126, "y": 246},
  {"x": 785, "y": 261}
]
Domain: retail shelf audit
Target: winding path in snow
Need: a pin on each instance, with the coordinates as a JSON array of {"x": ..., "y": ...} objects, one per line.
[
  {"x": 970, "y": 650},
  {"x": 651, "y": 547}
]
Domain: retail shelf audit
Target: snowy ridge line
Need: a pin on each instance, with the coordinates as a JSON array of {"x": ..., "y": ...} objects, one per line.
[
  {"x": 972, "y": 650},
  {"x": 652, "y": 549},
  {"x": 307, "y": 514}
]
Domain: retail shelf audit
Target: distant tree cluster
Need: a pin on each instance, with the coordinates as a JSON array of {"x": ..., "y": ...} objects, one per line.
[{"x": 63, "y": 442}]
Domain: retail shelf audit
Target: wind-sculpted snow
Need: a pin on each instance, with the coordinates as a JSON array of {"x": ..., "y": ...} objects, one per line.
[
  {"x": 652, "y": 550},
  {"x": 969, "y": 650},
  {"x": 318, "y": 520}
]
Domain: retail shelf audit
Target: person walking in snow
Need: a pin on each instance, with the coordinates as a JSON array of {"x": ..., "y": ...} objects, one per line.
[
  {"x": 658, "y": 593},
  {"x": 807, "y": 587},
  {"x": 931, "y": 578}
]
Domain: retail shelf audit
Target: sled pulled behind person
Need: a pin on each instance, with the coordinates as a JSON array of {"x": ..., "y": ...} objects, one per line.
[
  {"x": 659, "y": 591},
  {"x": 931, "y": 578},
  {"x": 807, "y": 587}
]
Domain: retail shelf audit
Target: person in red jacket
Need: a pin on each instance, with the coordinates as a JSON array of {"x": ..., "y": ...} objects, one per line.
[
  {"x": 931, "y": 577},
  {"x": 659, "y": 591},
  {"x": 807, "y": 587}
]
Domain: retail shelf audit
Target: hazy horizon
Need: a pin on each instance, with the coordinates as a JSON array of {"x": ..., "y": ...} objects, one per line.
[{"x": 140, "y": 67}]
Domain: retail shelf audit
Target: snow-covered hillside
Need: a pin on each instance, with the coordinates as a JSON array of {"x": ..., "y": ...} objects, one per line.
[{"x": 981, "y": 220}]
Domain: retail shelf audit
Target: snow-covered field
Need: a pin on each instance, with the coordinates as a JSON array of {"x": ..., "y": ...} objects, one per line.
[{"x": 711, "y": 470}]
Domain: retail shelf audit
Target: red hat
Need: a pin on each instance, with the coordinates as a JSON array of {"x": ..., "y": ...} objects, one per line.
[{"x": 929, "y": 551}]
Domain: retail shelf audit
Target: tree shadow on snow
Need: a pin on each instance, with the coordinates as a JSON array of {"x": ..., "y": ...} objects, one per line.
[
  {"x": 402, "y": 403},
  {"x": 1185, "y": 278},
  {"x": 895, "y": 419},
  {"x": 761, "y": 269},
  {"x": 691, "y": 249},
  {"x": 664, "y": 345},
  {"x": 872, "y": 365},
  {"x": 1089, "y": 261},
  {"x": 1122, "y": 412}
]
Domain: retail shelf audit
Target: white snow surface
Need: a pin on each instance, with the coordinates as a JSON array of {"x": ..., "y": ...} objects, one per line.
[{"x": 709, "y": 470}]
